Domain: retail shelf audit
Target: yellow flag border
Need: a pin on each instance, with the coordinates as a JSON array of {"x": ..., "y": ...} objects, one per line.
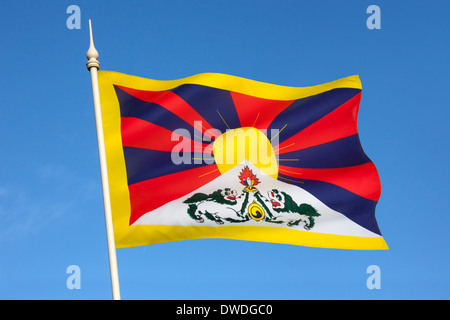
[{"x": 139, "y": 235}]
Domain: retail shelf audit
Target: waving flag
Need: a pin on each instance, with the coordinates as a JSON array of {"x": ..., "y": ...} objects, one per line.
[{"x": 217, "y": 156}]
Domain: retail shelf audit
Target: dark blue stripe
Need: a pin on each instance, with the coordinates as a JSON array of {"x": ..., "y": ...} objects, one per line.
[
  {"x": 354, "y": 207},
  {"x": 145, "y": 164},
  {"x": 131, "y": 106},
  {"x": 304, "y": 112},
  {"x": 209, "y": 103},
  {"x": 340, "y": 153}
]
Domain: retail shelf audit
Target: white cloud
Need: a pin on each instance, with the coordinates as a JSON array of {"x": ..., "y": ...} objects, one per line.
[
  {"x": 24, "y": 214},
  {"x": 47, "y": 199}
]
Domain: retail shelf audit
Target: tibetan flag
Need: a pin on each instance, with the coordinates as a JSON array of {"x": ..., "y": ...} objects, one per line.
[{"x": 218, "y": 156}]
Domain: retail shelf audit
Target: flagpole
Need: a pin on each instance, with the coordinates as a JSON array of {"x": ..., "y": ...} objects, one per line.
[{"x": 93, "y": 65}]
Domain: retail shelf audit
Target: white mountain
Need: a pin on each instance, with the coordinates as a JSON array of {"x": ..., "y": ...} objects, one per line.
[{"x": 176, "y": 212}]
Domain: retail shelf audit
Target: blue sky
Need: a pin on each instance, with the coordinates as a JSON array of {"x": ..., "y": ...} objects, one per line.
[{"x": 50, "y": 190}]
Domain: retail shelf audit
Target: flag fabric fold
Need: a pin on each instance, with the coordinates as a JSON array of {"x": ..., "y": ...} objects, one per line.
[{"x": 218, "y": 156}]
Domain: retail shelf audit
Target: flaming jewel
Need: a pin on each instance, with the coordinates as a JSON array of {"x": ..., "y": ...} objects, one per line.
[{"x": 248, "y": 179}]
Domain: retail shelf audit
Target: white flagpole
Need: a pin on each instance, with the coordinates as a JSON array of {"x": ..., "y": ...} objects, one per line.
[{"x": 93, "y": 65}]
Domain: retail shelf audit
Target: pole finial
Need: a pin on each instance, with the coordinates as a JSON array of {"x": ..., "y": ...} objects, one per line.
[{"x": 92, "y": 53}]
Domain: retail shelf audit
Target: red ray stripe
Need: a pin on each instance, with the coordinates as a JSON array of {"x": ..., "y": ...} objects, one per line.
[
  {"x": 139, "y": 133},
  {"x": 257, "y": 112},
  {"x": 362, "y": 180},
  {"x": 176, "y": 105},
  {"x": 151, "y": 194},
  {"x": 338, "y": 124}
]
